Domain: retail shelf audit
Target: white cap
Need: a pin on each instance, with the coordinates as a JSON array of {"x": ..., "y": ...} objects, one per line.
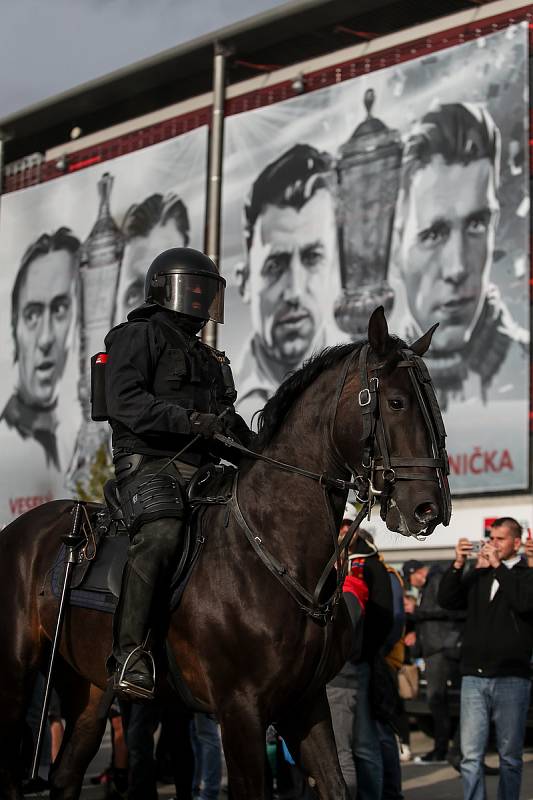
[{"x": 349, "y": 512}]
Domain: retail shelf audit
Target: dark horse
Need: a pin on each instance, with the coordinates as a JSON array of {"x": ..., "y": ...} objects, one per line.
[{"x": 244, "y": 646}]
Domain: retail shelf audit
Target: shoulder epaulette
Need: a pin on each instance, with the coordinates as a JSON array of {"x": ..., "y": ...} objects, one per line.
[{"x": 220, "y": 355}]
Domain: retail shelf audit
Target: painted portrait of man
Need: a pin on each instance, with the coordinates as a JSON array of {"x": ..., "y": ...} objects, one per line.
[
  {"x": 446, "y": 221},
  {"x": 158, "y": 223},
  {"x": 291, "y": 258},
  {"x": 42, "y": 302}
]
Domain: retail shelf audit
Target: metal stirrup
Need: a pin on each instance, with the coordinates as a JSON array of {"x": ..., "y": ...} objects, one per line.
[{"x": 132, "y": 688}]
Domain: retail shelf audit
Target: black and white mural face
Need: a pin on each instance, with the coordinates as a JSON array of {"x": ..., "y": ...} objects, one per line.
[
  {"x": 74, "y": 253},
  {"x": 406, "y": 187}
]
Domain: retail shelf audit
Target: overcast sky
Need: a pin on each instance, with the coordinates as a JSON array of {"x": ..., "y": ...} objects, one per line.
[{"x": 48, "y": 46}]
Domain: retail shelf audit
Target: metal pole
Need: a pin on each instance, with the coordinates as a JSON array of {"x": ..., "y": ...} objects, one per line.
[
  {"x": 214, "y": 187},
  {"x": 2, "y": 156},
  {"x": 72, "y": 541}
]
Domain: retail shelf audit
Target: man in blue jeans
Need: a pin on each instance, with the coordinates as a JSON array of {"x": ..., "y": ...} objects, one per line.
[
  {"x": 207, "y": 747},
  {"x": 495, "y": 660}
]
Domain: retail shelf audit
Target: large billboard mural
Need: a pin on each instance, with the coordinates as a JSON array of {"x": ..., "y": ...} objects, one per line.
[
  {"x": 74, "y": 253},
  {"x": 406, "y": 187}
]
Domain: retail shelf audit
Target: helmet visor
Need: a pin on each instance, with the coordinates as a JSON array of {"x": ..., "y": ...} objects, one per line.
[{"x": 198, "y": 294}]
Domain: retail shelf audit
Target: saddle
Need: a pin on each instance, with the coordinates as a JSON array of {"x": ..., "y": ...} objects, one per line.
[{"x": 97, "y": 578}]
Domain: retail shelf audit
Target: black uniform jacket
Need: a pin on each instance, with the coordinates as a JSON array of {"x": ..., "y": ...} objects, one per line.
[
  {"x": 371, "y": 631},
  {"x": 379, "y": 614},
  {"x": 438, "y": 630},
  {"x": 157, "y": 373},
  {"x": 498, "y": 635}
]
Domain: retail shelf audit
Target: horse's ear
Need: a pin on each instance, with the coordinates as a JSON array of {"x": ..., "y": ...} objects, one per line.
[
  {"x": 378, "y": 332},
  {"x": 421, "y": 345}
]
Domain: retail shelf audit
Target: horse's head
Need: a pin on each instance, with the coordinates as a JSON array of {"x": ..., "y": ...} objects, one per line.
[{"x": 389, "y": 405}]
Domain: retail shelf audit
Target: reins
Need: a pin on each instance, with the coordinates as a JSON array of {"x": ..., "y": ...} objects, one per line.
[{"x": 319, "y": 477}]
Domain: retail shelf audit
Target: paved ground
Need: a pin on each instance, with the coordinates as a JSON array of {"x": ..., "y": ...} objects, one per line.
[
  {"x": 419, "y": 783},
  {"x": 443, "y": 783}
]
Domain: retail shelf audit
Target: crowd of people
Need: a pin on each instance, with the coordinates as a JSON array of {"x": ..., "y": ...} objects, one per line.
[{"x": 468, "y": 624}]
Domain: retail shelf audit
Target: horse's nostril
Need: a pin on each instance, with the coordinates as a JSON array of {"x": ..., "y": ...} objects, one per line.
[{"x": 426, "y": 512}]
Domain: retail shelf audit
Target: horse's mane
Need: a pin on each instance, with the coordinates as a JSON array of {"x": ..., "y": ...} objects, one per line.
[{"x": 276, "y": 409}]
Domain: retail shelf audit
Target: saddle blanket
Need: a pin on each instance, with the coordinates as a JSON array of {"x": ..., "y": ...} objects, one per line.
[{"x": 97, "y": 585}]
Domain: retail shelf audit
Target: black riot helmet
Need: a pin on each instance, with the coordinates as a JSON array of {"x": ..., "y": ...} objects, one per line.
[{"x": 186, "y": 281}]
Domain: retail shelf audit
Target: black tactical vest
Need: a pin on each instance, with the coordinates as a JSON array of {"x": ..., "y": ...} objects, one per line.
[{"x": 191, "y": 374}]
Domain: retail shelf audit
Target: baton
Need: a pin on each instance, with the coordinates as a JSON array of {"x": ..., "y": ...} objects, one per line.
[{"x": 72, "y": 541}]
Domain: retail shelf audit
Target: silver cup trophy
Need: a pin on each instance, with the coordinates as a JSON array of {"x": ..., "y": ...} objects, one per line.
[
  {"x": 101, "y": 256},
  {"x": 368, "y": 175}
]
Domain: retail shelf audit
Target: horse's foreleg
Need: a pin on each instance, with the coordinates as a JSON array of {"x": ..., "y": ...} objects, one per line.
[
  {"x": 13, "y": 700},
  {"x": 85, "y": 725},
  {"x": 243, "y": 738},
  {"x": 20, "y": 653},
  {"x": 308, "y": 733}
]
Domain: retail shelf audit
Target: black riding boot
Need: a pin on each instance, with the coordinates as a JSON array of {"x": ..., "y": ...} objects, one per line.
[{"x": 133, "y": 662}]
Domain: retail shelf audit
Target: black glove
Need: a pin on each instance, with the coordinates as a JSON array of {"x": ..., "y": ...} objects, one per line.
[
  {"x": 238, "y": 429},
  {"x": 205, "y": 424}
]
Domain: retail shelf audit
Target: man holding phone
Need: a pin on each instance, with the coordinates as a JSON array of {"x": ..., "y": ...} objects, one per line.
[{"x": 495, "y": 661}]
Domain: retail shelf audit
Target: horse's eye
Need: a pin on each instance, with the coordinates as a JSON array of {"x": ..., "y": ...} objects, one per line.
[{"x": 395, "y": 403}]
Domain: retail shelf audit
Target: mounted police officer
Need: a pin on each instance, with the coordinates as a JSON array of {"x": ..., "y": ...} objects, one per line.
[{"x": 163, "y": 388}]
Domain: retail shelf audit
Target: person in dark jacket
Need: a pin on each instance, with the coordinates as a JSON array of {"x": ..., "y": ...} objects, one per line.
[
  {"x": 167, "y": 394},
  {"x": 496, "y": 654},
  {"x": 392, "y": 658},
  {"x": 355, "y": 727},
  {"x": 438, "y": 633},
  {"x": 377, "y": 623},
  {"x": 343, "y": 691}
]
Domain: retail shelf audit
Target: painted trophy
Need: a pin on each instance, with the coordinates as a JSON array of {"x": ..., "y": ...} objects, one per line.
[
  {"x": 368, "y": 174},
  {"x": 99, "y": 272}
]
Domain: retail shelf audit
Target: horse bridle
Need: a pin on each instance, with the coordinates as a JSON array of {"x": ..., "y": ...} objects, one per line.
[{"x": 392, "y": 468}]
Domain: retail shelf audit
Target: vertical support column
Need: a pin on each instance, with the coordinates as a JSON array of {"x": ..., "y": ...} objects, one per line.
[
  {"x": 2, "y": 141},
  {"x": 214, "y": 188}
]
